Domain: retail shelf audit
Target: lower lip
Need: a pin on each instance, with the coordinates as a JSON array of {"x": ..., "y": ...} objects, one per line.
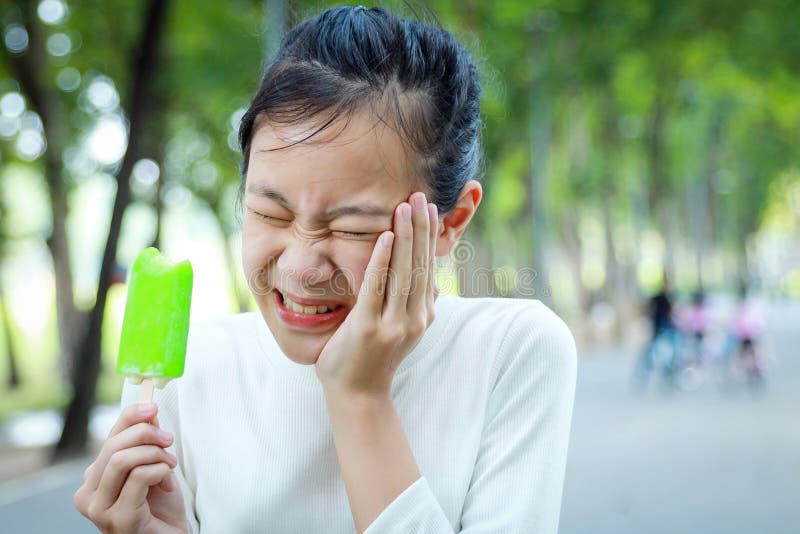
[{"x": 304, "y": 320}]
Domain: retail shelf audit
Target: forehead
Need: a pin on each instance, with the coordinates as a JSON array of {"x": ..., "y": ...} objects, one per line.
[{"x": 356, "y": 157}]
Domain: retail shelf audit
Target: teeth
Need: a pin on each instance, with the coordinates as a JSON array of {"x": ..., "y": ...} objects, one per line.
[{"x": 310, "y": 310}]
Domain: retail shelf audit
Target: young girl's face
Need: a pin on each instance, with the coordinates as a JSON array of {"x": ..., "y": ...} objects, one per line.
[{"x": 312, "y": 215}]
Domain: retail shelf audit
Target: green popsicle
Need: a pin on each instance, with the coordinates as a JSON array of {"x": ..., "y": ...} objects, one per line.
[{"x": 155, "y": 326}]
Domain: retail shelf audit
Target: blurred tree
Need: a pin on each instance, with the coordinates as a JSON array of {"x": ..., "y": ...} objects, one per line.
[
  {"x": 207, "y": 89},
  {"x": 10, "y": 352},
  {"x": 27, "y": 61},
  {"x": 666, "y": 124},
  {"x": 5, "y": 311},
  {"x": 143, "y": 67}
]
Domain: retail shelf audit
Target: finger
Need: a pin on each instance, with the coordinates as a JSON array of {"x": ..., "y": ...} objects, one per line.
[
  {"x": 418, "y": 280},
  {"x": 432, "y": 289},
  {"x": 373, "y": 288},
  {"x": 88, "y": 471},
  {"x": 135, "y": 413},
  {"x": 130, "y": 415},
  {"x": 121, "y": 464},
  {"x": 168, "y": 484},
  {"x": 400, "y": 264},
  {"x": 81, "y": 498},
  {"x": 138, "y": 434},
  {"x": 136, "y": 487}
]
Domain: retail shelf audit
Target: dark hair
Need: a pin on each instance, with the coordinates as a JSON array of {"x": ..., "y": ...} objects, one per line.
[{"x": 347, "y": 59}]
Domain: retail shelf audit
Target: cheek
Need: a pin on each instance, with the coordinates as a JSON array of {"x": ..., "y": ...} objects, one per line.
[
  {"x": 258, "y": 248},
  {"x": 352, "y": 260}
]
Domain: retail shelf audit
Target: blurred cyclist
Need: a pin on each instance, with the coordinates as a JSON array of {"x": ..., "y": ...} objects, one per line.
[
  {"x": 695, "y": 324},
  {"x": 747, "y": 326},
  {"x": 659, "y": 309}
]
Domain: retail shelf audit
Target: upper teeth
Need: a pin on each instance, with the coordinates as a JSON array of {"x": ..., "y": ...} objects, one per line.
[{"x": 299, "y": 308}]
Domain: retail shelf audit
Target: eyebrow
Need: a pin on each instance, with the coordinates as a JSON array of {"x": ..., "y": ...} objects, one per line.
[{"x": 365, "y": 210}]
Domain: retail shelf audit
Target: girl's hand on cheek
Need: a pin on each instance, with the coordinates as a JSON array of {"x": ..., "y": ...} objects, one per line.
[{"x": 395, "y": 306}]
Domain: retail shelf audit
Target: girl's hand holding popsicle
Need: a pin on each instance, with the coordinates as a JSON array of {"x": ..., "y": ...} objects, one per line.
[{"x": 131, "y": 488}]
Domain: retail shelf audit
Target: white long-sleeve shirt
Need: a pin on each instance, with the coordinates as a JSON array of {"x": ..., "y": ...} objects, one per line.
[{"x": 485, "y": 399}]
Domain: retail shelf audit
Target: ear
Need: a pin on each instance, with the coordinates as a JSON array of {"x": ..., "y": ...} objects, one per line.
[{"x": 452, "y": 226}]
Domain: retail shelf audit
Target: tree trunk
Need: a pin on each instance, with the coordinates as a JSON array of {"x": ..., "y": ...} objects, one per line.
[
  {"x": 70, "y": 319},
  {"x": 158, "y": 206},
  {"x": 30, "y": 70},
  {"x": 572, "y": 246},
  {"x": 242, "y": 301},
  {"x": 701, "y": 203},
  {"x": 539, "y": 148},
  {"x": 658, "y": 188},
  {"x": 154, "y": 146},
  {"x": 275, "y": 24},
  {"x": 84, "y": 381},
  {"x": 11, "y": 355},
  {"x": 614, "y": 284}
]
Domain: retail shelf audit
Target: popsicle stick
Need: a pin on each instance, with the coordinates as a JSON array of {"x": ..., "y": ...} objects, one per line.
[{"x": 146, "y": 391}]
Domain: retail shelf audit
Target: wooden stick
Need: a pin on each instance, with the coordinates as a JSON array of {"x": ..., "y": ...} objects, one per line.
[{"x": 146, "y": 391}]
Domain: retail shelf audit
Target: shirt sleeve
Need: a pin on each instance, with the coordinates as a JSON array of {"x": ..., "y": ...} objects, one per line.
[
  {"x": 518, "y": 477},
  {"x": 167, "y": 400}
]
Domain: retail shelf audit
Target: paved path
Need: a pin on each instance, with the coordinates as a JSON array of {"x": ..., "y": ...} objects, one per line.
[
  {"x": 707, "y": 461},
  {"x": 42, "y": 503}
]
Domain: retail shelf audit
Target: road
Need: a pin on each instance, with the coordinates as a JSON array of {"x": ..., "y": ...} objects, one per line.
[{"x": 708, "y": 461}]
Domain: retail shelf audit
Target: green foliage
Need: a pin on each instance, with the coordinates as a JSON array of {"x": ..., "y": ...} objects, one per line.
[
  {"x": 506, "y": 197},
  {"x": 641, "y": 101}
]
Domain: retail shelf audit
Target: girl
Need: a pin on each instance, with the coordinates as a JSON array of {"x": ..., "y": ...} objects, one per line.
[{"x": 357, "y": 398}]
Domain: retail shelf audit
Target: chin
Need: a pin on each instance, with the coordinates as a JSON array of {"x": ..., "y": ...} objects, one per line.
[
  {"x": 299, "y": 347},
  {"x": 303, "y": 357}
]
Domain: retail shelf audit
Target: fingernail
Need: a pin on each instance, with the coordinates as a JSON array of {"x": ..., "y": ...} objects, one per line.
[
  {"x": 146, "y": 408},
  {"x": 386, "y": 239},
  {"x": 419, "y": 201},
  {"x": 166, "y": 436},
  {"x": 172, "y": 457},
  {"x": 405, "y": 212}
]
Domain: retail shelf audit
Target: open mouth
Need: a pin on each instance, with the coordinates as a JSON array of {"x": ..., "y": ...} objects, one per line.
[{"x": 306, "y": 309}]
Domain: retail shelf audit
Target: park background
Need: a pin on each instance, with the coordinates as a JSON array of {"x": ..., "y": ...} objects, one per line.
[{"x": 623, "y": 140}]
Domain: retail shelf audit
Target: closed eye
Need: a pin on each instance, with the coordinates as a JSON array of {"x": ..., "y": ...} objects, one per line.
[
  {"x": 267, "y": 217},
  {"x": 342, "y": 233},
  {"x": 354, "y": 234}
]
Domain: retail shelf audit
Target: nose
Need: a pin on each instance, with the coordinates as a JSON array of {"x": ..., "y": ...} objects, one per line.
[{"x": 304, "y": 262}]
